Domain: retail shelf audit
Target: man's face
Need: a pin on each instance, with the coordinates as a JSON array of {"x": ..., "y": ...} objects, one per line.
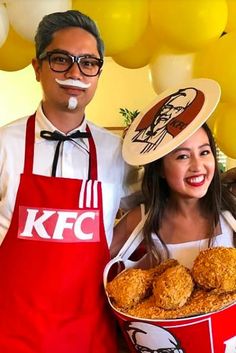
[{"x": 75, "y": 41}]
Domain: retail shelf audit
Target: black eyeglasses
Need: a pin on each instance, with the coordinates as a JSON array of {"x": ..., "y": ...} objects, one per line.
[{"x": 62, "y": 62}]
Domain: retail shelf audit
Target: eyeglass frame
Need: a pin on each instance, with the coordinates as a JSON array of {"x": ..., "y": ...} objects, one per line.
[{"x": 74, "y": 58}]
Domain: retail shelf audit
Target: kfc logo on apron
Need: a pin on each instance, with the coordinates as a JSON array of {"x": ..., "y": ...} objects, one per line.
[{"x": 59, "y": 225}]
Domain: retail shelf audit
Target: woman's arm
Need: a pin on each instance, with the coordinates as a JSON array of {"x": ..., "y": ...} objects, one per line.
[{"x": 123, "y": 229}]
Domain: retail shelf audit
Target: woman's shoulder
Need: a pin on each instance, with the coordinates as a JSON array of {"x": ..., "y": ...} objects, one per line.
[
  {"x": 124, "y": 228},
  {"x": 132, "y": 218},
  {"x": 228, "y": 222}
]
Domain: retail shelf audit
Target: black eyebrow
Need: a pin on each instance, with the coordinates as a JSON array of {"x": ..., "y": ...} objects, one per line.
[
  {"x": 178, "y": 149},
  {"x": 57, "y": 50}
]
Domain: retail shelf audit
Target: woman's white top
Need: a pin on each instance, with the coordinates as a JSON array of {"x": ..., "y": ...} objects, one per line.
[{"x": 186, "y": 252}]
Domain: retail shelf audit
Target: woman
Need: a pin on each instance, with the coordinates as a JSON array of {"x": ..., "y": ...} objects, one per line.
[{"x": 184, "y": 201}]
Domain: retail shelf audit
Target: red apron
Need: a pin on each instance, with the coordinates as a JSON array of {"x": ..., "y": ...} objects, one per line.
[{"x": 51, "y": 265}]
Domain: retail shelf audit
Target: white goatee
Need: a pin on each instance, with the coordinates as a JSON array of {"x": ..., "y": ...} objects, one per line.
[{"x": 72, "y": 103}]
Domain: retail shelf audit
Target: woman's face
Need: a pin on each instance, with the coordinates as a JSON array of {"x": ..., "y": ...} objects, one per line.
[{"x": 189, "y": 169}]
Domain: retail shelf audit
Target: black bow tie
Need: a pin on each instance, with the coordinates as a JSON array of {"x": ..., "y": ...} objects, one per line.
[{"x": 57, "y": 136}]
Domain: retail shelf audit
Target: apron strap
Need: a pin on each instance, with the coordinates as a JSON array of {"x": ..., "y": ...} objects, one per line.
[
  {"x": 92, "y": 172},
  {"x": 29, "y": 150},
  {"x": 29, "y": 145}
]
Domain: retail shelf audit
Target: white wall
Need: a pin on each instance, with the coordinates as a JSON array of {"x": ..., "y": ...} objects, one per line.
[{"x": 19, "y": 94}]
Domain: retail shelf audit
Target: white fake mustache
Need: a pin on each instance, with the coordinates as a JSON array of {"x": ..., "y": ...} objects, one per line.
[{"x": 73, "y": 83}]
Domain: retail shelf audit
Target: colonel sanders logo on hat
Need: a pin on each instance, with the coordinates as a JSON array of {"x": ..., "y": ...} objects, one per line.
[{"x": 168, "y": 118}]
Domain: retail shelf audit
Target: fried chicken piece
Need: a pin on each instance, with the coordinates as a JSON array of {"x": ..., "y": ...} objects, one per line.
[
  {"x": 132, "y": 285},
  {"x": 215, "y": 268},
  {"x": 200, "y": 302},
  {"x": 146, "y": 309},
  {"x": 162, "y": 267},
  {"x": 203, "y": 302},
  {"x": 129, "y": 287},
  {"x": 173, "y": 287}
]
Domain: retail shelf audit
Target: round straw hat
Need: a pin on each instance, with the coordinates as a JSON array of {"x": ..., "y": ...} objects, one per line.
[{"x": 170, "y": 120}]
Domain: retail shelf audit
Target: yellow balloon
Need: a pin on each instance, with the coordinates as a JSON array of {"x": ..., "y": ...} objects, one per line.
[
  {"x": 25, "y": 15},
  {"x": 224, "y": 129},
  {"x": 213, "y": 117},
  {"x": 218, "y": 63},
  {"x": 211, "y": 122},
  {"x": 139, "y": 54},
  {"x": 189, "y": 24},
  {"x": 4, "y": 24},
  {"x": 121, "y": 22},
  {"x": 231, "y": 22},
  {"x": 16, "y": 53},
  {"x": 169, "y": 68}
]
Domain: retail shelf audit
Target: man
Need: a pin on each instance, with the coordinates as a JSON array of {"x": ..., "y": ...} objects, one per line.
[{"x": 60, "y": 189}]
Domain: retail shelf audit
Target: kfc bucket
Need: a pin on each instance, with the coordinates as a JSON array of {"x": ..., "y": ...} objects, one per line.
[
  {"x": 213, "y": 332},
  {"x": 210, "y": 333}
]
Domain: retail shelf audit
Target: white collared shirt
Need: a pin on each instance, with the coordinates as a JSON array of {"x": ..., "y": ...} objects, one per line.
[{"x": 73, "y": 163}]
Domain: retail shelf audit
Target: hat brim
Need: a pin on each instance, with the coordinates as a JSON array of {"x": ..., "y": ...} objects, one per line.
[{"x": 170, "y": 120}]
